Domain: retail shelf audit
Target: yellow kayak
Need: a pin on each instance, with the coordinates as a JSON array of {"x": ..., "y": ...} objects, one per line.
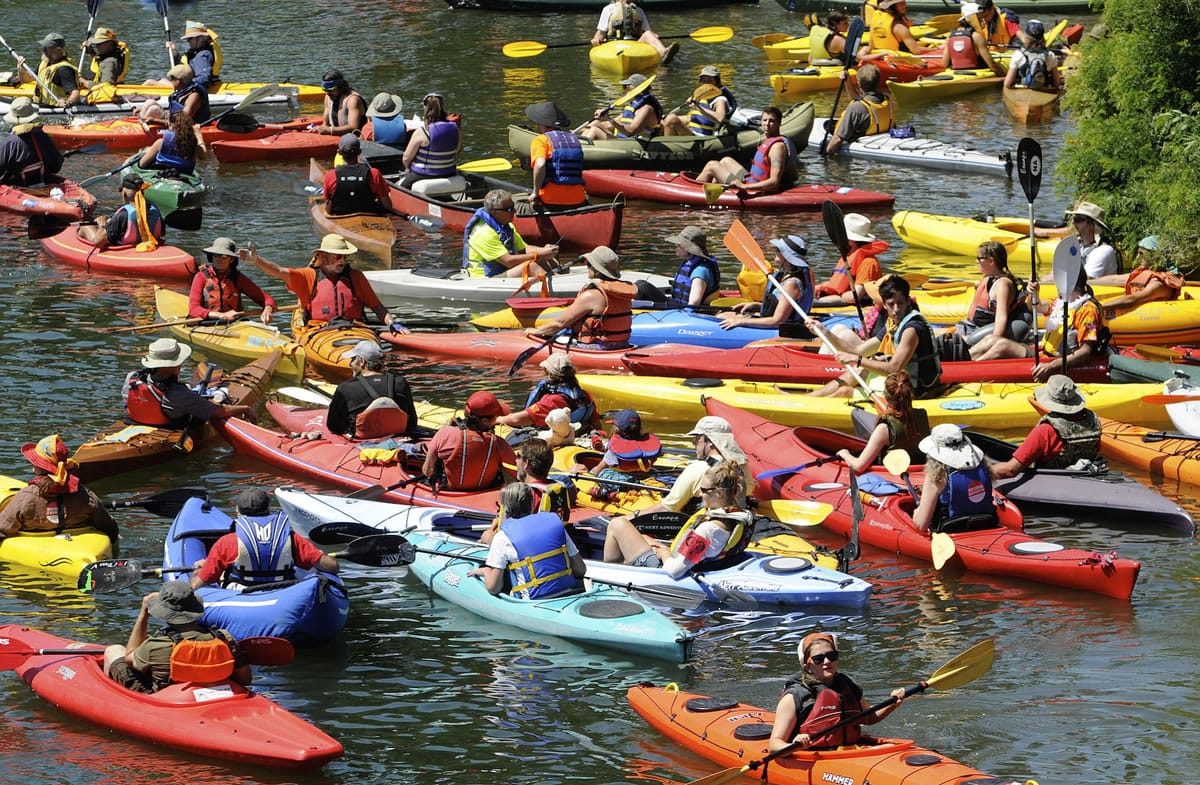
[
  {"x": 622, "y": 58},
  {"x": 304, "y": 92},
  {"x": 61, "y": 555},
  {"x": 797, "y": 48},
  {"x": 962, "y": 236}
]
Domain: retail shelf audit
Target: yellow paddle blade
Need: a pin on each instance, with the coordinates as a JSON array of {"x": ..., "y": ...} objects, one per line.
[
  {"x": 897, "y": 461},
  {"x": 1158, "y": 353},
  {"x": 523, "y": 49},
  {"x": 943, "y": 23},
  {"x": 712, "y": 192},
  {"x": 796, "y": 512},
  {"x": 965, "y": 668},
  {"x": 768, "y": 39},
  {"x": 1056, "y": 31},
  {"x": 711, "y": 35},
  {"x": 485, "y": 165},
  {"x": 943, "y": 548},
  {"x": 632, "y": 94}
]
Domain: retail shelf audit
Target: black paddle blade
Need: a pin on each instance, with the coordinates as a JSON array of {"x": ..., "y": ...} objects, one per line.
[
  {"x": 380, "y": 550},
  {"x": 165, "y": 503},
  {"x": 185, "y": 218},
  {"x": 1029, "y": 167},
  {"x": 524, "y": 356},
  {"x": 110, "y": 575},
  {"x": 340, "y": 532},
  {"x": 238, "y": 123},
  {"x": 835, "y": 226}
]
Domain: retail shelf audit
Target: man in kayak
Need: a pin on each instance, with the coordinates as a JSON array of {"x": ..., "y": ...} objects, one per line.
[
  {"x": 641, "y": 118},
  {"x": 56, "y": 72},
  {"x": 376, "y": 403},
  {"x": 847, "y": 283},
  {"x": 559, "y": 389},
  {"x": 388, "y": 126},
  {"x": 492, "y": 246},
  {"x": 712, "y": 106},
  {"x": 259, "y": 549},
  {"x": 532, "y": 550},
  {"x": 110, "y": 64},
  {"x": 147, "y": 662},
  {"x": 345, "y": 110},
  {"x": 601, "y": 316},
  {"x": 1067, "y": 436},
  {"x": 467, "y": 455},
  {"x": 775, "y": 310},
  {"x": 55, "y": 499},
  {"x": 1034, "y": 65},
  {"x": 218, "y": 286},
  {"x": 27, "y": 154},
  {"x": 354, "y": 186},
  {"x": 328, "y": 287},
  {"x": 155, "y": 396},
  {"x": 556, "y": 159},
  {"x": 698, "y": 278},
  {"x": 624, "y": 20},
  {"x": 773, "y": 169},
  {"x": 203, "y": 54},
  {"x": 135, "y": 223},
  {"x": 870, "y": 113},
  {"x": 958, "y": 480}
]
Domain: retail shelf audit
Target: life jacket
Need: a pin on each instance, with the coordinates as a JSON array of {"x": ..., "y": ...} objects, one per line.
[
  {"x": 353, "y": 194},
  {"x": 335, "y": 297},
  {"x": 967, "y": 492},
  {"x": 200, "y": 660},
  {"x": 437, "y": 159},
  {"x": 624, "y": 23},
  {"x": 218, "y": 59},
  {"x": 390, "y": 130},
  {"x": 133, "y": 235},
  {"x": 961, "y": 45},
  {"x": 925, "y": 366},
  {"x": 819, "y": 707},
  {"x": 615, "y": 325},
  {"x": 760, "y": 167},
  {"x": 46, "y": 72},
  {"x": 635, "y": 455},
  {"x": 477, "y": 268},
  {"x": 882, "y": 34},
  {"x": 701, "y": 124},
  {"x": 844, "y": 274},
  {"x": 474, "y": 463},
  {"x": 681, "y": 287},
  {"x": 264, "y": 551},
  {"x": 566, "y": 158},
  {"x": 1076, "y": 312},
  {"x": 169, "y": 158},
  {"x": 554, "y": 497},
  {"x": 543, "y": 568},
  {"x": 881, "y": 113},
  {"x": 983, "y": 299},
  {"x": 145, "y": 399},
  {"x": 1035, "y": 70},
  {"x": 631, "y": 109},
  {"x": 121, "y": 53},
  {"x": 220, "y": 294},
  {"x": 1140, "y": 278},
  {"x": 42, "y": 147},
  {"x": 770, "y": 300},
  {"x": 383, "y": 416},
  {"x": 176, "y": 99},
  {"x": 995, "y": 33},
  {"x": 739, "y": 538},
  {"x": 818, "y": 40},
  {"x": 1080, "y": 436},
  {"x": 583, "y": 408}
]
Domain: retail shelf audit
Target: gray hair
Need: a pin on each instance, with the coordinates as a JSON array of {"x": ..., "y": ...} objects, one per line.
[
  {"x": 495, "y": 198},
  {"x": 517, "y": 500}
]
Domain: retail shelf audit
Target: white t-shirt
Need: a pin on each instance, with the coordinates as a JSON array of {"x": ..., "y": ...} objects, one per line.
[
  {"x": 717, "y": 537},
  {"x": 502, "y": 552},
  {"x": 1099, "y": 259},
  {"x": 606, "y": 17}
]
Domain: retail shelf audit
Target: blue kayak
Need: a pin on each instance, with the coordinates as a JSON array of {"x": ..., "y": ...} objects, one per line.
[{"x": 699, "y": 329}]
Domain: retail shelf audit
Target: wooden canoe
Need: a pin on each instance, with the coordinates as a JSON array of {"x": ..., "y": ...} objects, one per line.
[
  {"x": 372, "y": 233},
  {"x": 1029, "y": 105}
]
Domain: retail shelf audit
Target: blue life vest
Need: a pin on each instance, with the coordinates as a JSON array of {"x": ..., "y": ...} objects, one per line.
[
  {"x": 153, "y": 218},
  {"x": 478, "y": 268},
  {"x": 967, "y": 492},
  {"x": 437, "y": 159},
  {"x": 264, "y": 550},
  {"x": 631, "y": 109},
  {"x": 701, "y": 124},
  {"x": 566, "y": 158},
  {"x": 583, "y": 408},
  {"x": 543, "y": 568},
  {"x": 176, "y": 99},
  {"x": 169, "y": 158},
  {"x": 760, "y": 167},
  {"x": 770, "y": 299},
  {"x": 681, "y": 287},
  {"x": 390, "y": 130}
]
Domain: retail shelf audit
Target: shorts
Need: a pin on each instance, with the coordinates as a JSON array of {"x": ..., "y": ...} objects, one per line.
[
  {"x": 123, "y": 673},
  {"x": 739, "y": 176},
  {"x": 647, "y": 559}
]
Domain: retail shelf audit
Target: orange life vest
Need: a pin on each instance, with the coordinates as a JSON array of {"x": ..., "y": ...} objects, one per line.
[
  {"x": 615, "y": 324},
  {"x": 474, "y": 463}
]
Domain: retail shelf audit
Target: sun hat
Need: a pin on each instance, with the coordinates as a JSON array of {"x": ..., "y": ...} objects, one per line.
[
  {"x": 555, "y": 364},
  {"x": 858, "y": 228},
  {"x": 176, "y": 603},
  {"x": 968, "y": 9},
  {"x": 628, "y": 422},
  {"x": 548, "y": 114},
  {"x": 486, "y": 404},
  {"x": 52, "y": 40},
  {"x": 350, "y": 143},
  {"x": 222, "y": 246},
  {"x": 1089, "y": 210},
  {"x": 1035, "y": 29},
  {"x": 336, "y": 244},
  {"x": 52, "y": 456},
  {"x": 886, "y": 4},
  {"x": 21, "y": 112},
  {"x": 133, "y": 182},
  {"x": 793, "y": 249},
  {"x": 691, "y": 239},
  {"x": 811, "y": 640},
  {"x": 727, "y": 445},
  {"x": 367, "y": 351},
  {"x": 166, "y": 353},
  {"x": 1149, "y": 242},
  {"x": 183, "y": 72},
  {"x": 605, "y": 261},
  {"x": 872, "y": 289},
  {"x": 948, "y": 444},
  {"x": 385, "y": 106},
  {"x": 253, "y": 501},
  {"x": 1059, "y": 394},
  {"x": 193, "y": 29},
  {"x": 101, "y": 35},
  {"x": 711, "y": 70},
  {"x": 633, "y": 80},
  {"x": 710, "y": 423}
]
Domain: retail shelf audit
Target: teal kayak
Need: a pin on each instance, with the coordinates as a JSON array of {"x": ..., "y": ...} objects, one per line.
[
  {"x": 1135, "y": 370},
  {"x": 178, "y": 196}
]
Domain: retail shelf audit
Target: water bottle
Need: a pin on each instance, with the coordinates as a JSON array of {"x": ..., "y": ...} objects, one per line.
[
  {"x": 57, "y": 193},
  {"x": 991, "y": 216}
]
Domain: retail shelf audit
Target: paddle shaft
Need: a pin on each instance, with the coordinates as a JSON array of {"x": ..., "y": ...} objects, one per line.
[
  {"x": 632, "y": 94},
  {"x": 524, "y": 356},
  {"x": 835, "y": 227},
  {"x": 619, "y": 483},
  {"x": 853, "y": 36},
  {"x": 1029, "y": 172},
  {"x": 29, "y": 69},
  {"x": 161, "y": 5},
  {"x": 93, "y": 9}
]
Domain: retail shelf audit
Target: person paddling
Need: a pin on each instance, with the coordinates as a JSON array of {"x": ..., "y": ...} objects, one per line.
[
  {"x": 28, "y": 155},
  {"x": 155, "y": 396},
  {"x": 354, "y": 186},
  {"x": 601, "y": 315},
  {"x": 1067, "y": 436},
  {"x": 135, "y": 223},
  {"x": 376, "y": 403},
  {"x": 467, "y": 455},
  {"x": 218, "y": 286}
]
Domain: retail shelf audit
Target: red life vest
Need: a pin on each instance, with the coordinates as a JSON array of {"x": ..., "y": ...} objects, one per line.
[
  {"x": 615, "y": 324},
  {"x": 220, "y": 294},
  {"x": 334, "y": 297},
  {"x": 760, "y": 167},
  {"x": 144, "y": 400},
  {"x": 383, "y": 417},
  {"x": 635, "y": 455},
  {"x": 1140, "y": 278},
  {"x": 474, "y": 463},
  {"x": 830, "y": 708},
  {"x": 962, "y": 50}
]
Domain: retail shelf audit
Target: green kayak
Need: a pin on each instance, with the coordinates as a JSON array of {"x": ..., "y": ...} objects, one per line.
[
  {"x": 179, "y": 197},
  {"x": 1125, "y": 369}
]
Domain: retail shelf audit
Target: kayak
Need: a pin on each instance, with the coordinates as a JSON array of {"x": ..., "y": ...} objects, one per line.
[
  {"x": 985, "y": 406},
  {"x": 987, "y": 547},
  {"x": 1185, "y": 415},
  {"x": 583, "y": 5},
  {"x": 622, "y": 58},
  {"x": 280, "y": 146},
  {"x": 165, "y": 261},
  {"x": 678, "y": 152},
  {"x": 1164, "y": 455},
  {"x": 797, "y": 48},
  {"x": 326, "y": 344},
  {"x": 947, "y": 84},
  {"x": 599, "y": 616},
  {"x": 962, "y": 236},
  {"x": 308, "y": 611},
  {"x": 221, "y": 92},
  {"x": 918, "y": 151},
  {"x": 130, "y": 133},
  {"x": 62, "y": 555},
  {"x": 733, "y": 734},
  {"x": 122, "y": 447},
  {"x": 1030, "y": 106},
  {"x": 370, "y": 232},
  {"x": 216, "y": 101},
  {"x": 818, "y": 78},
  {"x": 795, "y": 362},
  {"x": 73, "y": 204},
  {"x": 179, "y": 197},
  {"x": 684, "y": 189},
  {"x": 458, "y": 287},
  {"x": 223, "y": 720},
  {"x": 243, "y": 340},
  {"x": 768, "y": 579},
  {"x": 1128, "y": 368}
]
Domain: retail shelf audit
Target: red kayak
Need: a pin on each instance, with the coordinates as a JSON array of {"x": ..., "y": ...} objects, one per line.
[
  {"x": 992, "y": 549},
  {"x": 682, "y": 188},
  {"x": 286, "y": 146},
  {"x": 222, "y": 720},
  {"x": 165, "y": 261},
  {"x": 130, "y": 133},
  {"x": 75, "y": 203},
  {"x": 786, "y": 362}
]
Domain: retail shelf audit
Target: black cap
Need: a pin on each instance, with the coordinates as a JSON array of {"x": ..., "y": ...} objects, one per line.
[{"x": 253, "y": 501}]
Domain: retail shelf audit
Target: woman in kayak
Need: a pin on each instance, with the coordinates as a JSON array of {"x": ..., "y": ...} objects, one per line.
[
  {"x": 795, "y": 276},
  {"x": 55, "y": 499},
  {"x": 820, "y": 699},
  {"x": 468, "y": 455},
  {"x": 958, "y": 479},
  {"x": 1154, "y": 277},
  {"x": 998, "y": 308},
  {"x": 178, "y": 148},
  {"x": 432, "y": 150},
  {"x": 558, "y": 390},
  {"x": 899, "y": 426},
  {"x": 217, "y": 288}
]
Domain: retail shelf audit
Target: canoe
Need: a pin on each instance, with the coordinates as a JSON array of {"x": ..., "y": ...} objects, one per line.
[
  {"x": 223, "y": 720},
  {"x": 74, "y": 204},
  {"x": 999, "y": 548},
  {"x": 794, "y": 363},
  {"x": 130, "y": 133},
  {"x": 281, "y": 146},
  {"x": 622, "y": 58},
  {"x": 217, "y": 101},
  {"x": 947, "y": 84},
  {"x": 677, "y": 152},
  {"x": 371, "y": 233},
  {"x": 985, "y": 406},
  {"x": 165, "y": 261},
  {"x": 733, "y": 734},
  {"x": 122, "y": 447},
  {"x": 1164, "y": 455},
  {"x": 325, "y": 344},
  {"x": 818, "y": 78},
  {"x": 222, "y": 92},
  {"x": 919, "y": 151},
  {"x": 769, "y": 579},
  {"x": 178, "y": 196},
  {"x": 683, "y": 189},
  {"x": 243, "y": 341},
  {"x": 1030, "y": 106},
  {"x": 962, "y": 236},
  {"x": 309, "y": 611},
  {"x": 61, "y": 555},
  {"x": 455, "y": 286}
]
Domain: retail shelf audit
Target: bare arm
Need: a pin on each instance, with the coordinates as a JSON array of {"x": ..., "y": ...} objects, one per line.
[
  {"x": 878, "y": 441},
  {"x": 930, "y": 490},
  {"x": 419, "y": 139},
  {"x": 778, "y": 157},
  {"x": 149, "y": 154},
  {"x": 586, "y": 304}
]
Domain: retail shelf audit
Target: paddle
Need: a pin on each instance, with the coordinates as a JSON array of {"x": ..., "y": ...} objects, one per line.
[
  {"x": 1029, "y": 172},
  {"x": 259, "y": 650},
  {"x": 835, "y": 227},
  {"x": 962, "y": 670},
  {"x": 632, "y": 94},
  {"x": 769, "y": 39},
  {"x": 486, "y": 165},
  {"x": 187, "y": 322},
  {"x": 305, "y": 395},
  {"x": 166, "y": 503},
  {"x": 941, "y": 546},
  {"x": 93, "y": 7},
  {"x": 1161, "y": 353},
  {"x": 161, "y": 5},
  {"x": 32, "y": 72},
  {"x": 426, "y": 223},
  {"x": 619, "y": 483},
  {"x": 1068, "y": 263},
  {"x": 378, "y": 491},
  {"x": 524, "y": 356},
  {"x": 798, "y": 513},
  {"x": 252, "y": 97},
  {"x": 851, "y": 549},
  {"x": 98, "y": 177},
  {"x": 704, "y": 35},
  {"x": 1158, "y": 436},
  {"x": 897, "y": 462},
  {"x": 1166, "y": 398},
  {"x": 853, "y": 36},
  {"x": 771, "y": 474},
  {"x": 91, "y": 149}
]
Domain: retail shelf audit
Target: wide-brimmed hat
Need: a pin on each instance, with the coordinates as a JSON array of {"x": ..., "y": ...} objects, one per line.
[
  {"x": 727, "y": 445},
  {"x": 166, "y": 353},
  {"x": 101, "y": 35},
  {"x": 367, "y": 351},
  {"x": 556, "y": 363},
  {"x": 691, "y": 239},
  {"x": 53, "y": 40},
  {"x": 811, "y": 640},
  {"x": 176, "y": 603},
  {"x": 605, "y": 261},
  {"x": 222, "y": 246},
  {"x": 947, "y": 443},
  {"x": 385, "y": 106},
  {"x": 886, "y": 4},
  {"x": 710, "y": 423},
  {"x": 1059, "y": 394},
  {"x": 21, "y": 112},
  {"x": 1149, "y": 242},
  {"x": 711, "y": 70},
  {"x": 858, "y": 228},
  {"x": 253, "y": 501},
  {"x": 183, "y": 72},
  {"x": 968, "y": 9},
  {"x": 486, "y": 404},
  {"x": 1089, "y": 210},
  {"x": 51, "y": 455},
  {"x": 633, "y": 80},
  {"x": 793, "y": 249},
  {"x": 336, "y": 244},
  {"x": 193, "y": 29},
  {"x": 548, "y": 114}
]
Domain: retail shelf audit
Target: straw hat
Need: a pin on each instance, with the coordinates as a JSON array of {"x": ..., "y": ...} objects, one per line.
[
  {"x": 166, "y": 353},
  {"x": 196, "y": 29},
  {"x": 385, "y": 106},
  {"x": 858, "y": 228},
  {"x": 948, "y": 444},
  {"x": 1059, "y": 394},
  {"x": 21, "y": 112},
  {"x": 1089, "y": 210},
  {"x": 101, "y": 35},
  {"x": 183, "y": 72}
]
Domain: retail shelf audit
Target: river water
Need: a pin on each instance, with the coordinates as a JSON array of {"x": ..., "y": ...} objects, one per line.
[{"x": 1084, "y": 689}]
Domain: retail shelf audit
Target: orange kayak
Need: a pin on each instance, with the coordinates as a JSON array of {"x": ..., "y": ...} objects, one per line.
[{"x": 130, "y": 133}]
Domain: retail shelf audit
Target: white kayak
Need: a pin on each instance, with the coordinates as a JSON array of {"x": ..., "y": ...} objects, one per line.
[
  {"x": 408, "y": 284},
  {"x": 1185, "y": 415},
  {"x": 217, "y": 101},
  {"x": 918, "y": 151}
]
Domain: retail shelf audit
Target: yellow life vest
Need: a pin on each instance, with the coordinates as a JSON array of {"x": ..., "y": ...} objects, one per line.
[
  {"x": 46, "y": 72},
  {"x": 123, "y": 54}
]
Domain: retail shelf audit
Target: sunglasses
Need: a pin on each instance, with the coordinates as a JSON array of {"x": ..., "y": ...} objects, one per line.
[
  {"x": 819, "y": 659},
  {"x": 1080, "y": 219}
]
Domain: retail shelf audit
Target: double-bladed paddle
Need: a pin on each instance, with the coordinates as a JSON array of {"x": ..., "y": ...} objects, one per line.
[
  {"x": 425, "y": 223},
  {"x": 379, "y": 491},
  {"x": 166, "y": 503},
  {"x": 941, "y": 545},
  {"x": 632, "y": 94},
  {"x": 161, "y": 6},
  {"x": 849, "y": 54},
  {"x": 259, "y": 650},
  {"x": 93, "y": 7},
  {"x": 1029, "y": 172},
  {"x": 835, "y": 227},
  {"x": 33, "y": 73},
  {"x": 703, "y": 35},
  {"x": 524, "y": 356},
  {"x": 1166, "y": 398}
]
